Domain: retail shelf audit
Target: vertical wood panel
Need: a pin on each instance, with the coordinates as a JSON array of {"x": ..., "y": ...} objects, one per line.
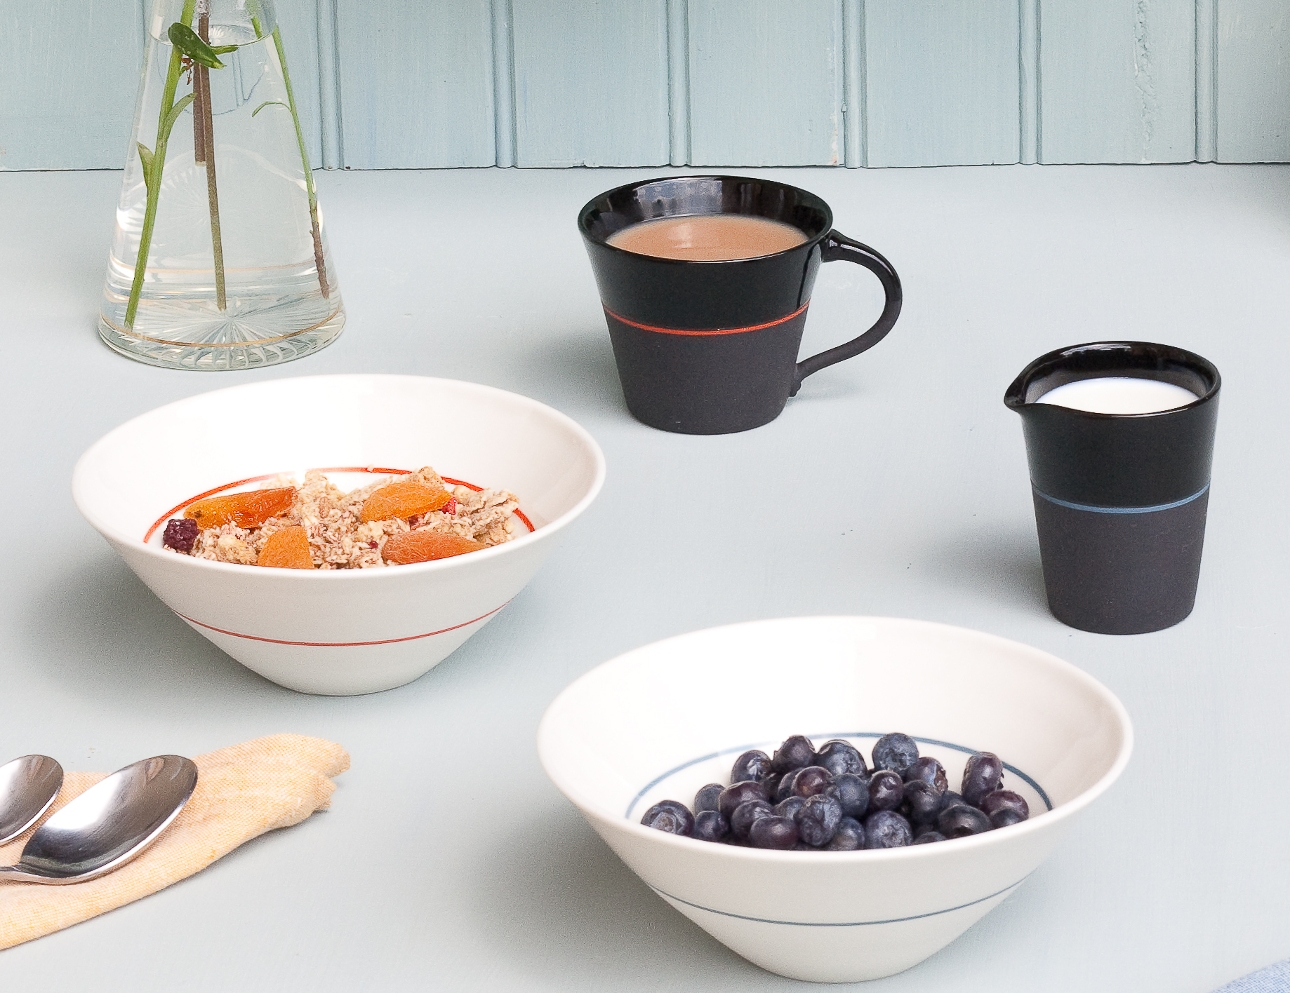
[
  {"x": 416, "y": 83},
  {"x": 1118, "y": 80},
  {"x": 591, "y": 82},
  {"x": 943, "y": 82},
  {"x": 69, "y": 72},
  {"x": 765, "y": 82},
  {"x": 1253, "y": 80}
]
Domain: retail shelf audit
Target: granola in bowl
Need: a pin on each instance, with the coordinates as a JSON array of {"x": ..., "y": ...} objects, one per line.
[{"x": 397, "y": 520}]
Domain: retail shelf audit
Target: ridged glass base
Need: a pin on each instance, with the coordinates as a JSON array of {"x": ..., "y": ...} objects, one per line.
[{"x": 222, "y": 341}]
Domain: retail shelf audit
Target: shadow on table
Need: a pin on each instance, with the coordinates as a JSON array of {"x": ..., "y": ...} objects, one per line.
[
  {"x": 556, "y": 901},
  {"x": 574, "y": 372},
  {"x": 102, "y": 635},
  {"x": 999, "y": 563}
]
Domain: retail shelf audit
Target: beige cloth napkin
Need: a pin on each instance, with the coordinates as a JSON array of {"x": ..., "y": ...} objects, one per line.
[{"x": 242, "y": 791}]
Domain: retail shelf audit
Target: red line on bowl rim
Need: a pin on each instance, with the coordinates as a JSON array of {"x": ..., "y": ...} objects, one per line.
[
  {"x": 338, "y": 644},
  {"x": 375, "y": 470}
]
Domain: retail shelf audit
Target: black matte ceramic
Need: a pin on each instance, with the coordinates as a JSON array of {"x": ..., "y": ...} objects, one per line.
[
  {"x": 1120, "y": 499},
  {"x": 711, "y": 347}
]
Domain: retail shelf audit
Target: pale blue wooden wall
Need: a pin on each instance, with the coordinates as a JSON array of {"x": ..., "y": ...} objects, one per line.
[{"x": 558, "y": 83}]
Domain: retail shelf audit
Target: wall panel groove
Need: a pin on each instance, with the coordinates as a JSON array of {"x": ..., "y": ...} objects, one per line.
[{"x": 504, "y": 82}]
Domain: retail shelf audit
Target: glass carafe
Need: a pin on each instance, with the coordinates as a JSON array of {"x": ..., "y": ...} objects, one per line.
[{"x": 219, "y": 260}]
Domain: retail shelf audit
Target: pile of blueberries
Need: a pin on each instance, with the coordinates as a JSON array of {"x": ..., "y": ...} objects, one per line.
[{"x": 829, "y": 800}]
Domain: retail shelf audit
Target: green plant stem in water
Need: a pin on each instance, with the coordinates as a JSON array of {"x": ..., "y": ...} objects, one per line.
[
  {"x": 153, "y": 169},
  {"x": 320, "y": 261}
]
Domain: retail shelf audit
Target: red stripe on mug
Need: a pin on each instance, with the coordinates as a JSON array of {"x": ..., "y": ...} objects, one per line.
[
  {"x": 751, "y": 327},
  {"x": 342, "y": 468},
  {"x": 339, "y": 644}
]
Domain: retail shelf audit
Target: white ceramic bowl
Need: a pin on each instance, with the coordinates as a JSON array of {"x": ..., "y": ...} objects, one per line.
[
  {"x": 343, "y": 631},
  {"x": 663, "y": 720}
]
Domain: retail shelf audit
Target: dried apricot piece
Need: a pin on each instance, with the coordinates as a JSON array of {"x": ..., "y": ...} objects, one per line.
[
  {"x": 426, "y": 546},
  {"x": 405, "y": 498},
  {"x": 247, "y": 510},
  {"x": 287, "y": 549}
]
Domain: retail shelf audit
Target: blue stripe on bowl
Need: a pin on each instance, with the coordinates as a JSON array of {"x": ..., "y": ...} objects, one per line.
[
  {"x": 892, "y": 920},
  {"x": 1122, "y": 510},
  {"x": 740, "y": 749}
]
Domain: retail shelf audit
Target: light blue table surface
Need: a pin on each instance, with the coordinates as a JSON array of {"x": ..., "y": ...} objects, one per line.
[{"x": 895, "y": 484}]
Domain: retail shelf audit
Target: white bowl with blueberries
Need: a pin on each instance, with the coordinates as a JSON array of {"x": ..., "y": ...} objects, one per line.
[{"x": 834, "y": 798}]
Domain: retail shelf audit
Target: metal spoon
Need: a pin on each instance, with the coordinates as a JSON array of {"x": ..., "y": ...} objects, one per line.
[
  {"x": 28, "y": 786},
  {"x": 108, "y": 824}
]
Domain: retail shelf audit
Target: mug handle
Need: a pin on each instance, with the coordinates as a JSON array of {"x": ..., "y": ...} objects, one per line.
[{"x": 838, "y": 246}]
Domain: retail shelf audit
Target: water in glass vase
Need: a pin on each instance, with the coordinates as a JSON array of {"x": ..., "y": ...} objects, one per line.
[{"x": 219, "y": 259}]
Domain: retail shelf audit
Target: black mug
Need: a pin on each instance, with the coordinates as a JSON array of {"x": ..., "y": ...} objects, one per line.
[
  {"x": 710, "y": 347},
  {"x": 1120, "y": 499}
]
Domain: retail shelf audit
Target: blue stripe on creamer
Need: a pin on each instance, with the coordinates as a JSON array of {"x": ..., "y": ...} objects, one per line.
[{"x": 1121, "y": 510}]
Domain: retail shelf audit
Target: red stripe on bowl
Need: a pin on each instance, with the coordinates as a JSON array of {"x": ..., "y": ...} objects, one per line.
[{"x": 338, "y": 644}]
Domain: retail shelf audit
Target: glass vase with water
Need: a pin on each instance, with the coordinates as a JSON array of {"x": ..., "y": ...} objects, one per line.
[{"x": 219, "y": 259}]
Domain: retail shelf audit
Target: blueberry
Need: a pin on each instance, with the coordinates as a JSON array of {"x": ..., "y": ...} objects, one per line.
[
  {"x": 754, "y": 764},
  {"x": 706, "y": 798},
  {"x": 949, "y": 798},
  {"x": 926, "y": 838},
  {"x": 669, "y": 816},
  {"x": 929, "y": 771},
  {"x": 982, "y": 775},
  {"x": 841, "y": 756},
  {"x": 817, "y": 821},
  {"x": 1004, "y": 807},
  {"x": 732, "y": 796},
  {"x": 742, "y": 819},
  {"x": 773, "y": 832},
  {"x": 789, "y": 807},
  {"x": 784, "y": 789},
  {"x": 886, "y": 829},
  {"x": 849, "y": 836},
  {"x": 960, "y": 820},
  {"x": 922, "y": 803},
  {"x": 811, "y": 780},
  {"x": 709, "y": 825},
  {"x": 180, "y": 534},
  {"x": 886, "y": 791},
  {"x": 796, "y": 752},
  {"x": 771, "y": 782},
  {"x": 852, "y": 792},
  {"x": 896, "y": 752}
]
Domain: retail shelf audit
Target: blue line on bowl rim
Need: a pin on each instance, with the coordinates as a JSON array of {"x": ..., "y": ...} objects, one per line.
[
  {"x": 893, "y": 920},
  {"x": 740, "y": 749}
]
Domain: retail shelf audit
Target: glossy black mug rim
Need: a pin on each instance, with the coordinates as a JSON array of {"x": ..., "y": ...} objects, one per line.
[
  {"x": 1015, "y": 398},
  {"x": 584, "y": 217}
]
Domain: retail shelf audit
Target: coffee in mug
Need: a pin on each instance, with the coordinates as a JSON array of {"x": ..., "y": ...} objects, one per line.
[{"x": 710, "y": 238}]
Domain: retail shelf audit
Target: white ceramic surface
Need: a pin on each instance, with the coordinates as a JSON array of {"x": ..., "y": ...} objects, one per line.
[
  {"x": 343, "y": 631},
  {"x": 663, "y": 720}
]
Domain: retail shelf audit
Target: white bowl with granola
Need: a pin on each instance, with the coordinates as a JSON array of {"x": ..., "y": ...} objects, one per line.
[{"x": 339, "y": 534}]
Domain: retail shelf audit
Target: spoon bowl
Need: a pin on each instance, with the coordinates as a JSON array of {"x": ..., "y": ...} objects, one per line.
[
  {"x": 28, "y": 785},
  {"x": 108, "y": 824}
]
